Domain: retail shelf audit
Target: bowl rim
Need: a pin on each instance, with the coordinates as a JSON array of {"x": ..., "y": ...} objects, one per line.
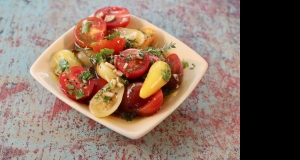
[{"x": 42, "y": 78}]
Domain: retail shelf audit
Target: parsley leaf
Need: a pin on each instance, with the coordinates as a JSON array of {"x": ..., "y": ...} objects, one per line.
[
  {"x": 79, "y": 94},
  {"x": 166, "y": 73},
  {"x": 106, "y": 99},
  {"x": 112, "y": 36},
  {"x": 85, "y": 76},
  {"x": 70, "y": 86},
  {"x": 185, "y": 64},
  {"x": 104, "y": 53},
  {"x": 130, "y": 43},
  {"x": 62, "y": 66}
]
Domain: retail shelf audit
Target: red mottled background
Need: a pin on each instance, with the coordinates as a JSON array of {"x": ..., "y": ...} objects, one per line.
[{"x": 34, "y": 124}]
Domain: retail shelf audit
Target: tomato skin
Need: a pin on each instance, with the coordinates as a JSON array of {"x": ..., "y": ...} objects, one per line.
[
  {"x": 70, "y": 77},
  {"x": 97, "y": 31},
  {"x": 99, "y": 83},
  {"x": 122, "y": 16},
  {"x": 136, "y": 67},
  {"x": 176, "y": 68},
  {"x": 117, "y": 44},
  {"x": 131, "y": 100},
  {"x": 155, "y": 102}
]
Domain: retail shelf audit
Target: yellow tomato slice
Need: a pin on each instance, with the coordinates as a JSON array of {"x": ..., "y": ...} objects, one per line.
[
  {"x": 68, "y": 55},
  {"x": 134, "y": 35},
  {"x": 106, "y": 100}
]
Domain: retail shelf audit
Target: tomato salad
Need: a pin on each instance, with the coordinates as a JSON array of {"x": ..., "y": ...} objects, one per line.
[{"x": 114, "y": 69}]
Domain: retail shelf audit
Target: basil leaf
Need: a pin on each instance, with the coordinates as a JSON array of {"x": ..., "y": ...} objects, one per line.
[
  {"x": 62, "y": 66},
  {"x": 85, "y": 76},
  {"x": 185, "y": 64},
  {"x": 79, "y": 94}
]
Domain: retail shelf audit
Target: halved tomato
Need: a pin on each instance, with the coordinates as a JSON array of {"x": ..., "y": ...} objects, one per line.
[
  {"x": 133, "y": 63},
  {"x": 89, "y": 30},
  {"x": 106, "y": 100},
  {"x": 117, "y": 44},
  {"x": 114, "y": 16},
  {"x": 176, "y": 70},
  {"x": 132, "y": 102},
  {"x": 76, "y": 83},
  {"x": 155, "y": 102},
  {"x": 99, "y": 83}
]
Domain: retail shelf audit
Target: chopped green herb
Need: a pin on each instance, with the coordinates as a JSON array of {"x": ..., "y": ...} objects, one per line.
[
  {"x": 86, "y": 27},
  {"x": 70, "y": 92},
  {"x": 166, "y": 73},
  {"x": 99, "y": 58},
  {"x": 124, "y": 80},
  {"x": 104, "y": 53},
  {"x": 85, "y": 76},
  {"x": 106, "y": 99},
  {"x": 133, "y": 85},
  {"x": 128, "y": 58},
  {"x": 70, "y": 87},
  {"x": 93, "y": 59},
  {"x": 79, "y": 94},
  {"x": 112, "y": 36},
  {"x": 140, "y": 54},
  {"x": 158, "y": 51},
  {"x": 62, "y": 66},
  {"x": 130, "y": 43},
  {"x": 82, "y": 84},
  {"x": 185, "y": 64}
]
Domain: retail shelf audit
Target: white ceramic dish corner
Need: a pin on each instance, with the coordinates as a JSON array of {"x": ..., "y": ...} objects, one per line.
[{"x": 140, "y": 126}]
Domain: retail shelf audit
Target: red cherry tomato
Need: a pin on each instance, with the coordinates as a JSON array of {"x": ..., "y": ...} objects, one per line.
[
  {"x": 176, "y": 70},
  {"x": 89, "y": 30},
  {"x": 117, "y": 44},
  {"x": 133, "y": 102},
  {"x": 99, "y": 83},
  {"x": 154, "y": 103},
  {"x": 131, "y": 64},
  {"x": 114, "y": 16},
  {"x": 74, "y": 87},
  {"x": 131, "y": 99}
]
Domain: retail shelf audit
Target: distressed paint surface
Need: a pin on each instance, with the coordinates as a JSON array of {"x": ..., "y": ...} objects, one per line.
[{"x": 34, "y": 124}]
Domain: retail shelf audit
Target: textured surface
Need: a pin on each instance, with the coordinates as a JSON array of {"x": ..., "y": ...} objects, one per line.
[{"x": 34, "y": 124}]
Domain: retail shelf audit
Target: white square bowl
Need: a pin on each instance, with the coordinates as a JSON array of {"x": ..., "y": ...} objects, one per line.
[{"x": 139, "y": 126}]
